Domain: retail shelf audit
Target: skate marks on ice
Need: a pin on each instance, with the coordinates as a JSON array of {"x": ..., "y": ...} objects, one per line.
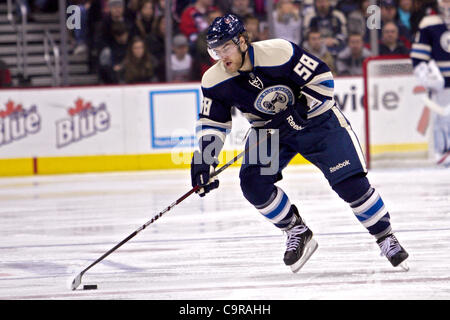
[{"x": 218, "y": 247}]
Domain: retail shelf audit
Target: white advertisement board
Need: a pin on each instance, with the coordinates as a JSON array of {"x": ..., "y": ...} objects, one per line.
[{"x": 140, "y": 119}]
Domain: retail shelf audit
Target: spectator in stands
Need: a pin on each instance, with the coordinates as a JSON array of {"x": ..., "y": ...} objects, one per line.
[
  {"x": 241, "y": 8},
  {"x": 331, "y": 23},
  {"x": 389, "y": 14},
  {"x": 194, "y": 19},
  {"x": 112, "y": 56},
  {"x": 157, "y": 47},
  {"x": 132, "y": 9},
  {"x": 357, "y": 20},
  {"x": 389, "y": 44},
  {"x": 252, "y": 27},
  {"x": 115, "y": 14},
  {"x": 315, "y": 45},
  {"x": 5, "y": 75},
  {"x": 287, "y": 22},
  {"x": 144, "y": 19},
  {"x": 181, "y": 60},
  {"x": 27, "y": 7},
  {"x": 404, "y": 13},
  {"x": 350, "y": 60},
  {"x": 81, "y": 34},
  {"x": 138, "y": 65},
  {"x": 177, "y": 8},
  {"x": 202, "y": 59},
  {"x": 347, "y": 6},
  {"x": 155, "y": 39},
  {"x": 45, "y": 5}
]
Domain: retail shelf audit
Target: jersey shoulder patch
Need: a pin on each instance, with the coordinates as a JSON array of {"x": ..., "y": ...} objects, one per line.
[
  {"x": 216, "y": 75},
  {"x": 272, "y": 53},
  {"x": 429, "y": 21}
]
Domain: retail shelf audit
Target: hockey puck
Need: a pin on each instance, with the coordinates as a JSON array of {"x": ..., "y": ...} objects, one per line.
[{"x": 89, "y": 287}]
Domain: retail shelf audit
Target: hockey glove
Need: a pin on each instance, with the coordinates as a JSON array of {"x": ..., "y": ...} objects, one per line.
[
  {"x": 201, "y": 174},
  {"x": 287, "y": 121},
  {"x": 429, "y": 75}
]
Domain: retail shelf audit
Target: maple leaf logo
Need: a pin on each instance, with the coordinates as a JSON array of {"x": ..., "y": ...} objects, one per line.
[
  {"x": 11, "y": 108},
  {"x": 80, "y": 106}
]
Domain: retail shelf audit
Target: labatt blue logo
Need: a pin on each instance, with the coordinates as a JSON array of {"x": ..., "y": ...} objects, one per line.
[
  {"x": 274, "y": 99},
  {"x": 85, "y": 121},
  {"x": 17, "y": 122}
]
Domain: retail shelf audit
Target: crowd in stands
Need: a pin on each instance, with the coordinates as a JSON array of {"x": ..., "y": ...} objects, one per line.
[{"x": 125, "y": 39}]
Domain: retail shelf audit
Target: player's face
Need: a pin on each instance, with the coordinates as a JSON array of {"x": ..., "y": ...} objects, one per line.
[{"x": 230, "y": 56}]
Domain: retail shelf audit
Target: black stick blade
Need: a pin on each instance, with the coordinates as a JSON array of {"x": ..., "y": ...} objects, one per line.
[{"x": 76, "y": 282}]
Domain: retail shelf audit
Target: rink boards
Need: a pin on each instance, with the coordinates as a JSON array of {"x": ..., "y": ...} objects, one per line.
[{"x": 133, "y": 127}]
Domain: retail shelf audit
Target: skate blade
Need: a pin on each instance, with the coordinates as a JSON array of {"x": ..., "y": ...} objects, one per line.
[
  {"x": 310, "y": 248},
  {"x": 404, "y": 266}
]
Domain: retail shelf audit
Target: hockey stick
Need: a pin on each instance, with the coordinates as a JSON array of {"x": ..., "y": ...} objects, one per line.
[
  {"x": 433, "y": 106},
  {"x": 77, "y": 280}
]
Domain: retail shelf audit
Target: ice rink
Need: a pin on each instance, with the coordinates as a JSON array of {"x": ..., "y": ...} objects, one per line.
[{"x": 217, "y": 247}]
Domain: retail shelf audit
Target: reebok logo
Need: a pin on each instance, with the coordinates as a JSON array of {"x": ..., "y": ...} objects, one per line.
[
  {"x": 293, "y": 124},
  {"x": 340, "y": 166}
]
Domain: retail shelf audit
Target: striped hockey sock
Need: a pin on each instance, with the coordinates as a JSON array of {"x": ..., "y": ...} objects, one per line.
[
  {"x": 277, "y": 210},
  {"x": 371, "y": 212}
]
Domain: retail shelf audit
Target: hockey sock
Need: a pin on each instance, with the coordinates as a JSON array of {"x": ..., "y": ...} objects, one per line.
[
  {"x": 366, "y": 204},
  {"x": 277, "y": 209},
  {"x": 371, "y": 212}
]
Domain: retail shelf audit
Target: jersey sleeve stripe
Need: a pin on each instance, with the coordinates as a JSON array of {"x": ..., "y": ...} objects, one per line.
[
  {"x": 421, "y": 46},
  {"x": 420, "y": 56},
  {"x": 323, "y": 90},
  {"x": 326, "y": 76},
  {"x": 327, "y": 83},
  {"x": 443, "y": 64},
  {"x": 318, "y": 92},
  {"x": 421, "y": 51}
]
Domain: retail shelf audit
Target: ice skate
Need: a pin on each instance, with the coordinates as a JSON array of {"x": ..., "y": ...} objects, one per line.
[
  {"x": 300, "y": 244},
  {"x": 394, "y": 252}
]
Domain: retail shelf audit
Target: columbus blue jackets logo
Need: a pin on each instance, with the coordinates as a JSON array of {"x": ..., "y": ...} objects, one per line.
[
  {"x": 274, "y": 99},
  {"x": 445, "y": 41}
]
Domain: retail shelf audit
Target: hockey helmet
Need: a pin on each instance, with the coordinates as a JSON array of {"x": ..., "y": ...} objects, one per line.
[{"x": 223, "y": 29}]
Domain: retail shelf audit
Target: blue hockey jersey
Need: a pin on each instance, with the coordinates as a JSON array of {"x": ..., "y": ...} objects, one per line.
[
  {"x": 281, "y": 72},
  {"x": 432, "y": 41}
]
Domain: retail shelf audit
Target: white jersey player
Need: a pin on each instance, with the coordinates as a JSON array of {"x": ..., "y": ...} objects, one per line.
[{"x": 431, "y": 59}]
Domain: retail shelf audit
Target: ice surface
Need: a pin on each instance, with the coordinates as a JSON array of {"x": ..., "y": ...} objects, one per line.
[{"x": 217, "y": 247}]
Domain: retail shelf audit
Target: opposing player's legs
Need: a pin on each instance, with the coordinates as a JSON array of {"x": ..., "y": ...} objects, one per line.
[
  {"x": 441, "y": 130},
  {"x": 273, "y": 203}
]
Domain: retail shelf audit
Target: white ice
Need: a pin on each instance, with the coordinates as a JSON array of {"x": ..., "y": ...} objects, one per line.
[{"x": 217, "y": 247}]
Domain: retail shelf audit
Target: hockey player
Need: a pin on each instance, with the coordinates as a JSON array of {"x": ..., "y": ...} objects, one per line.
[
  {"x": 431, "y": 60},
  {"x": 279, "y": 86}
]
